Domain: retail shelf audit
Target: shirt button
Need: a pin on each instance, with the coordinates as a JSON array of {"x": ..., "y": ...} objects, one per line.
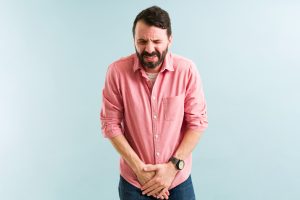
[
  {"x": 154, "y": 116},
  {"x": 157, "y": 154},
  {"x": 153, "y": 97},
  {"x": 156, "y": 136}
]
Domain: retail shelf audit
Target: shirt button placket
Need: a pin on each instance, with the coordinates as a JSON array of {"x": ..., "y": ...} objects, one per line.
[
  {"x": 155, "y": 138},
  {"x": 157, "y": 151},
  {"x": 155, "y": 123}
]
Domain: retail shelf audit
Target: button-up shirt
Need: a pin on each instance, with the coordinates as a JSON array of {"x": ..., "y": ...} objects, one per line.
[{"x": 153, "y": 118}]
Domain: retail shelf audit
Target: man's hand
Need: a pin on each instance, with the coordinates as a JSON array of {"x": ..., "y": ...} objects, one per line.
[
  {"x": 160, "y": 183},
  {"x": 145, "y": 176}
]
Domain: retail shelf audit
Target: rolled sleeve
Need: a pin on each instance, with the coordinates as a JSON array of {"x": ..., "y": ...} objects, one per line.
[
  {"x": 195, "y": 113},
  {"x": 111, "y": 115}
]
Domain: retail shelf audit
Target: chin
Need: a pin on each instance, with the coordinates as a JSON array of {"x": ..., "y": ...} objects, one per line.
[{"x": 151, "y": 65}]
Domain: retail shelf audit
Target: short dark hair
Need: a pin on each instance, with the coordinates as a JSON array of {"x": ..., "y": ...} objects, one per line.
[{"x": 154, "y": 16}]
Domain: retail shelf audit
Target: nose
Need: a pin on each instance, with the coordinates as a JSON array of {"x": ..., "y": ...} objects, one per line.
[{"x": 149, "y": 47}]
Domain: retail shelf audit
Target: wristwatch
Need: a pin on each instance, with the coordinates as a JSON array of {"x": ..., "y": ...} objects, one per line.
[{"x": 179, "y": 164}]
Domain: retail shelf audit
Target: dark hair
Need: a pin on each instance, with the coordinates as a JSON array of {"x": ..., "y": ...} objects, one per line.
[{"x": 154, "y": 16}]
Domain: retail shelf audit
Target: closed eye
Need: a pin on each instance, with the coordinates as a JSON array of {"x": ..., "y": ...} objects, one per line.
[
  {"x": 157, "y": 41},
  {"x": 142, "y": 42}
]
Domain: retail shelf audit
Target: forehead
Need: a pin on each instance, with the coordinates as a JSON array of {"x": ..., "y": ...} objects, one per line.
[{"x": 144, "y": 31}]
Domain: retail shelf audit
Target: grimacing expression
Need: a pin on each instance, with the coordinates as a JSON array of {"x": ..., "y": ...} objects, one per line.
[{"x": 151, "y": 44}]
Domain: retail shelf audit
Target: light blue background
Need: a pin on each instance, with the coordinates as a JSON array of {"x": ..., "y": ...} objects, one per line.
[{"x": 53, "y": 60}]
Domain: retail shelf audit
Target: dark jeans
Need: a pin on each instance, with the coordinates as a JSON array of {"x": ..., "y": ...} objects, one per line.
[{"x": 184, "y": 191}]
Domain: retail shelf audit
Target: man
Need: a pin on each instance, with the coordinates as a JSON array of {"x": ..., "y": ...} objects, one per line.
[{"x": 154, "y": 113}]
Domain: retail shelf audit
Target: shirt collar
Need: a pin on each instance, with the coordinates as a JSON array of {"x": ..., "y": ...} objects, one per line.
[{"x": 167, "y": 63}]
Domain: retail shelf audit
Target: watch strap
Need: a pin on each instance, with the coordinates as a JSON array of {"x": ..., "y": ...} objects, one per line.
[{"x": 174, "y": 160}]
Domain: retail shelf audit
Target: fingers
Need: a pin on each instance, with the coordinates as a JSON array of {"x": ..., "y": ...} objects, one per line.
[
  {"x": 164, "y": 194},
  {"x": 144, "y": 177},
  {"x": 168, "y": 193},
  {"x": 149, "y": 184},
  {"x": 155, "y": 191},
  {"x": 151, "y": 188}
]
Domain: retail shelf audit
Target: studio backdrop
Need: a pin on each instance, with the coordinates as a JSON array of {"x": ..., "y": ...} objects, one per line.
[{"x": 53, "y": 60}]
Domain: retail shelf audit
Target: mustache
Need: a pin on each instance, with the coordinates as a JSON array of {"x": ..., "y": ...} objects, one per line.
[{"x": 154, "y": 53}]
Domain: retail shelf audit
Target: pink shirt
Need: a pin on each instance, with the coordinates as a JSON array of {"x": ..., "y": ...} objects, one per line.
[{"x": 153, "y": 120}]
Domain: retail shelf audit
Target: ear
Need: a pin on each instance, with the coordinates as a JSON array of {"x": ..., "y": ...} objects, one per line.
[{"x": 170, "y": 41}]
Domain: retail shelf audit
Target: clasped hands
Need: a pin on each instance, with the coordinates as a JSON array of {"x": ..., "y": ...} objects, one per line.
[{"x": 156, "y": 179}]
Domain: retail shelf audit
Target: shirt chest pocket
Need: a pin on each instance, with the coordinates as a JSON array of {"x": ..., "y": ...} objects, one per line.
[{"x": 173, "y": 108}]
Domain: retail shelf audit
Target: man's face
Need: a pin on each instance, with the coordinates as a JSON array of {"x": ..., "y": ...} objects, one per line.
[{"x": 151, "y": 44}]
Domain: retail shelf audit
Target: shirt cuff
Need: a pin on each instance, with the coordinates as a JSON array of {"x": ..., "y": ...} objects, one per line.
[{"x": 111, "y": 131}]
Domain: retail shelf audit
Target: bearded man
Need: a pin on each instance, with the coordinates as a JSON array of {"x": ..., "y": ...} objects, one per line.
[{"x": 154, "y": 113}]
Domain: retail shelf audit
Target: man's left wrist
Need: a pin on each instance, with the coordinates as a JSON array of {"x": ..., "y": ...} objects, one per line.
[
  {"x": 177, "y": 163},
  {"x": 172, "y": 167}
]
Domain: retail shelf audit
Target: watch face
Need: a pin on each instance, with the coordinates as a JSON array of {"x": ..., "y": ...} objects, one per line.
[{"x": 180, "y": 164}]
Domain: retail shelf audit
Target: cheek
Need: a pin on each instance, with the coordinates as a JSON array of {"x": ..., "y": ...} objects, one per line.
[
  {"x": 139, "y": 48},
  {"x": 161, "y": 48}
]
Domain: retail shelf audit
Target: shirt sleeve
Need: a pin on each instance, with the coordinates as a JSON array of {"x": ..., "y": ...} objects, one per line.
[
  {"x": 111, "y": 115},
  {"x": 195, "y": 113}
]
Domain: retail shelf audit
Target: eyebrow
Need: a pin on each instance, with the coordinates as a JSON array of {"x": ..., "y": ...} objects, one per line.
[{"x": 141, "y": 39}]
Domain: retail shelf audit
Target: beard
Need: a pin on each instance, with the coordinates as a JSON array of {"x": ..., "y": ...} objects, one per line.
[{"x": 151, "y": 65}]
